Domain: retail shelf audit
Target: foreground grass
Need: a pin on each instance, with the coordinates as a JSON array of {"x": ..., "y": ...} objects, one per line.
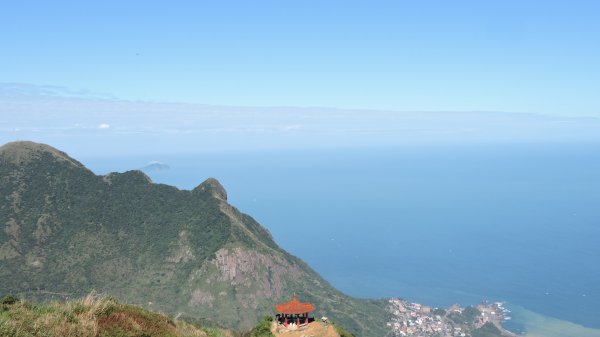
[{"x": 91, "y": 316}]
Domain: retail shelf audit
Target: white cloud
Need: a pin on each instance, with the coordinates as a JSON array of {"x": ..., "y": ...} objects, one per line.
[
  {"x": 104, "y": 126},
  {"x": 292, "y": 127},
  {"x": 27, "y": 90}
]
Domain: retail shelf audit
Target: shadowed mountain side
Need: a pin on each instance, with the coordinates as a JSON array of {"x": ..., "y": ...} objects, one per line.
[{"x": 67, "y": 231}]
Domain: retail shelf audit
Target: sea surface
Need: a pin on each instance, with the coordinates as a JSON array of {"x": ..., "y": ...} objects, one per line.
[{"x": 432, "y": 224}]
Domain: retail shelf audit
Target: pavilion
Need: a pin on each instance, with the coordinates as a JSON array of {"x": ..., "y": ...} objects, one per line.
[{"x": 294, "y": 312}]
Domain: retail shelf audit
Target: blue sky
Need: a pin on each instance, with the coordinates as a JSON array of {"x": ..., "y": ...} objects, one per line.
[{"x": 512, "y": 56}]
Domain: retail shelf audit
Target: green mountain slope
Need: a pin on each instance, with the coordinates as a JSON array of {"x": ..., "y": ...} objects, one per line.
[{"x": 67, "y": 231}]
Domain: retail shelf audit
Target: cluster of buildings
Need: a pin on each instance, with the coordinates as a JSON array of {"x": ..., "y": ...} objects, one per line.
[
  {"x": 495, "y": 313},
  {"x": 413, "y": 319},
  {"x": 416, "y": 320}
]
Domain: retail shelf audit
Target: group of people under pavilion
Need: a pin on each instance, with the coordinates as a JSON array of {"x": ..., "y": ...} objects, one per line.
[{"x": 294, "y": 314}]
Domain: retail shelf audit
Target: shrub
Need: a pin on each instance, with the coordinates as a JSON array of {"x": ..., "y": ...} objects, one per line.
[
  {"x": 9, "y": 300},
  {"x": 263, "y": 329},
  {"x": 471, "y": 313},
  {"x": 439, "y": 312}
]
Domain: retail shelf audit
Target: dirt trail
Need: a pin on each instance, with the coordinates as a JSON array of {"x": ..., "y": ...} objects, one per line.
[{"x": 314, "y": 329}]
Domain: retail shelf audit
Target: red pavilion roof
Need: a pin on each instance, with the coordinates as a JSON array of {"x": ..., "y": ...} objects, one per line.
[{"x": 294, "y": 307}]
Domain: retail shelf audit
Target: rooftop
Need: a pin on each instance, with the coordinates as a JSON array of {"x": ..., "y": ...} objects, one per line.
[{"x": 294, "y": 307}]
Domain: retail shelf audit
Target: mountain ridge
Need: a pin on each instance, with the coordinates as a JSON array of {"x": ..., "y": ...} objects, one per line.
[
  {"x": 26, "y": 151},
  {"x": 68, "y": 231}
]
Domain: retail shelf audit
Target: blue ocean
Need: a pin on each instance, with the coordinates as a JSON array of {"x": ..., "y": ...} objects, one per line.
[{"x": 433, "y": 224}]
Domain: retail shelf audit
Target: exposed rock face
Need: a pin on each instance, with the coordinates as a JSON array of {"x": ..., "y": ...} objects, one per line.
[
  {"x": 8, "y": 250},
  {"x": 244, "y": 276},
  {"x": 238, "y": 266},
  {"x": 182, "y": 251}
]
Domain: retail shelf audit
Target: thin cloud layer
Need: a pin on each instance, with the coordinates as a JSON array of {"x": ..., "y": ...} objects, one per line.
[{"x": 151, "y": 126}]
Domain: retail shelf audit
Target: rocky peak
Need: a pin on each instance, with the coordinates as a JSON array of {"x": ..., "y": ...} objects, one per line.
[{"x": 213, "y": 186}]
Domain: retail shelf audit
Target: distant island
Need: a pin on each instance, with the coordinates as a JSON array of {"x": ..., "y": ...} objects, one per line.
[{"x": 155, "y": 166}]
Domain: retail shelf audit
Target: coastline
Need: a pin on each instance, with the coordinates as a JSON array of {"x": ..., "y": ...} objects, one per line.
[
  {"x": 414, "y": 319},
  {"x": 538, "y": 325}
]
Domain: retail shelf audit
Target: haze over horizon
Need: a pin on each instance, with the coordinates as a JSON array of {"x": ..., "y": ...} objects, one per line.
[{"x": 85, "y": 124}]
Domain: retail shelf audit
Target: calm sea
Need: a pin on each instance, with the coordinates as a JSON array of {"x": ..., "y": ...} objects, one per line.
[{"x": 433, "y": 224}]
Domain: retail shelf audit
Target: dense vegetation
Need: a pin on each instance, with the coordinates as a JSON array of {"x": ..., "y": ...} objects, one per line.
[
  {"x": 68, "y": 231},
  {"x": 468, "y": 316},
  {"x": 487, "y": 330},
  {"x": 471, "y": 314},
  {"x": 439, "y": 311}
]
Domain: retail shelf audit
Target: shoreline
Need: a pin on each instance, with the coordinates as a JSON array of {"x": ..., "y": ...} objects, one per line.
[
  {"x": 538, "y": 325},
  {"x": 415, "y": 320}
]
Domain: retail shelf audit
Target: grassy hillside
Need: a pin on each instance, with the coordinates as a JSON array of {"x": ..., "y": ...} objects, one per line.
[
  {"x": 67, "y": 231},
  {"x": 92, "y": 317}
]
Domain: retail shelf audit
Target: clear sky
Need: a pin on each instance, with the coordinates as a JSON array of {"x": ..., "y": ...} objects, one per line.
[{"x": 484, "y": 55}]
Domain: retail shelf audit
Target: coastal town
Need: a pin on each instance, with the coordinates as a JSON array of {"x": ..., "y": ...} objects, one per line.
[{"x": 416, "y": 320}]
